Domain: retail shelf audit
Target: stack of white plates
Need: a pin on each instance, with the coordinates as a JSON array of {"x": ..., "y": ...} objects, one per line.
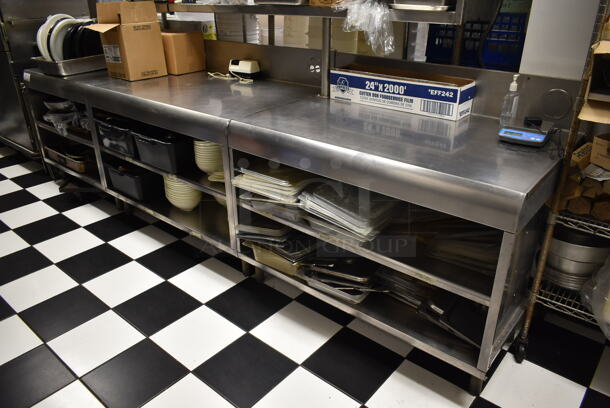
[
  {"x": 180, "y": 194},
  {"x": 208, "y": 156}
]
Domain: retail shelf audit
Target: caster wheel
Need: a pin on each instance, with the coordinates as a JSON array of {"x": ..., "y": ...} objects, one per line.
[{"x": 520, "y": 352}]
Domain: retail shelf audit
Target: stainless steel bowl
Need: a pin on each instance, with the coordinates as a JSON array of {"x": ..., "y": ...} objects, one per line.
[
  {"x": 579, "y": 253},
  {"x": 572, "y": 267},
  {"x": 565, "y": 280}
]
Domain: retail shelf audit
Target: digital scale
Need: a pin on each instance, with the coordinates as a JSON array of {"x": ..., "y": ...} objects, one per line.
[{"x": 527, "y": 136}]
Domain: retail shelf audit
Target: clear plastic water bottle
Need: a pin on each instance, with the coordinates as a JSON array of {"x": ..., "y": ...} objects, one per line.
[{"x": 510, "y": 105}]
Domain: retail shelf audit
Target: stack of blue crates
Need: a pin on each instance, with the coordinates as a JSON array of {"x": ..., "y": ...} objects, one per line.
[{"x": 502, "y": 49}]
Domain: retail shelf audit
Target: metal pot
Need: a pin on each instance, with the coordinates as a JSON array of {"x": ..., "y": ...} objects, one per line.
[
  {"x": 579, "y": 253},
  {"x": 572, "y": 267}
]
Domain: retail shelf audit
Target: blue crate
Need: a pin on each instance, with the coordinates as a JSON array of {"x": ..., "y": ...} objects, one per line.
[{"x": 502, "y": 49}]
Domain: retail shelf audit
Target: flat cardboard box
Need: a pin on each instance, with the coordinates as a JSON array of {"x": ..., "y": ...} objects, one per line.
[
  {"x": 582, "y": 156},
  {"x": 600, "y": 153},
  {"x": 184, "y": 52},
  {"x": 132, "y": 46},
  {"x": 594, "y": 109},
  {"x": 434, "y": 95}
]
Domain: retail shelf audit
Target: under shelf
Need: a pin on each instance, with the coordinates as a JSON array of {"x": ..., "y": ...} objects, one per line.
[
  {"x": 584, "y": 224},
  {"x": 395, "y": 318},
  {"x": 195, "y": 179},
  {"x": 460, "y": 281},
  {"x": 70, "y": 136},
  {"x": 565, "y": 301},
  {"x": 91, "y": 177}
]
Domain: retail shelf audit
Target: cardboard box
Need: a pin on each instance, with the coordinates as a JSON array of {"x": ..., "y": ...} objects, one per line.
[
  {"x": 184, "y": 52},
  {"x": 438, "y": 96},
  {"x": 581, "y": 157},
  {"x": 131, "y": 38},
  {"x": 600, "y": 153},
  {"x": 597, "y": 104},
  {"x": 323, "y": 3}
]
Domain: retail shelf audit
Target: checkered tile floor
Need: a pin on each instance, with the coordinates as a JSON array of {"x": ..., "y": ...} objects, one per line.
[{"x": 101, "y": 308}]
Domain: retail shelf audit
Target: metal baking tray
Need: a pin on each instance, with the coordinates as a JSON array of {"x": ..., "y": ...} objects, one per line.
[
  {"x": 71, "y": 67},
  {"x": 421, "y": 5}
]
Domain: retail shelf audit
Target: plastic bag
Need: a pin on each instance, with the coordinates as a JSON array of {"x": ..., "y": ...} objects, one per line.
[
  {"x": 596, "y": 296},
  {"x": 372, "y": 17}
]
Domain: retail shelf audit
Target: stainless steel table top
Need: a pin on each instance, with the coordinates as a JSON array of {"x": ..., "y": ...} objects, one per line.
[
  {"x": 458, "y": 168},
  {"x": 192, "y": 104}
]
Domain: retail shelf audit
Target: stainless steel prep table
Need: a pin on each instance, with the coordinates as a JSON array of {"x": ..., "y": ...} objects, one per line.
[{"x": 457, "y": 168}]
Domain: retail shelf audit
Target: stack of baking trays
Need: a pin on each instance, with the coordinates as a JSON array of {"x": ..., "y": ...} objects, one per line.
[{"x": 330, "y": 207}]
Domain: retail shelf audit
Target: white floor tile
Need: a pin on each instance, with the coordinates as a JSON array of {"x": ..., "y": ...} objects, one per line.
[
  {"x": 94, "y": 342},
  {"x": 8, "y": 186},
  {"x": 296, "y": 331},
  {"x": 90, "y": 213},
  {"x": 16, "y": 338},
  {"x": 36, "y": 287},
  {"x": 69, "y": 244},
  {"x": 74, "y": 395},
  {"x": 27, "y": 214},
  {"x": 283, "y": 287},
  {"x": 207, "y": 280},
  {"x": 123, "y": 283},
  {"x": 601, "y": 379},
  {"x": 20, "y": 169},
  {"x": 387, "y": 340},
  {"x": 45, "y": 190},
  {"x": 529, "y": 385},
  {"x": 301, "y": 389},
  {"x": 197, "y": 336},
  {"x": 413, "y": 386},
  {"x": 189, "y": 392},
  {"x": 11, "y": 242},
  {"x": 6, "y": 151},
  {"x": 142, "y": 241}
]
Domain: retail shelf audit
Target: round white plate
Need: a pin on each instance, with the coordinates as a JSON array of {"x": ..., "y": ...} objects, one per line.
[
  {"x": 58, "y": 35},
  {"x": 43, "y": 33}
]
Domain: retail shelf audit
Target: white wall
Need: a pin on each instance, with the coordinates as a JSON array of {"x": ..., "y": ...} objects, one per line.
[{"x": 558, "y": 36}]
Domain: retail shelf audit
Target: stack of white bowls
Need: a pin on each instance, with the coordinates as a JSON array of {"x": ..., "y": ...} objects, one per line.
[
  {"x": 208, "y": 156},
  {"x": 180, "y": 194}
]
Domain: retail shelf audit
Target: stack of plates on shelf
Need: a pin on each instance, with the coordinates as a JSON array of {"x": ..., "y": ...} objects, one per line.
[
  {"x": 208, "y": 156},
  {"x": 358, "y": 211},
  {"x": 217, "y": 176},
  {"x": 283, "y": 184},
  {"x": 63, "y": 37},
  {"x": 180, "y": 194}
]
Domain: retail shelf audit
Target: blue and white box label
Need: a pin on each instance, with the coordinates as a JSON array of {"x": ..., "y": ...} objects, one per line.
[{"x": 406, "y": 95}]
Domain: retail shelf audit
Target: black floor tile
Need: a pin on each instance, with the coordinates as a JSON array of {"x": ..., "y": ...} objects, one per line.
[
  {"x": 156, "y": 308},
  {"x": 229, "y": 260},
  {"x": 93, "y": 263},
  {"x": 68, "y": 201},
  {"x": 440, "y": 368},
  {"x": 21, "y": 263},
  {"x": 170, "y": 229},
  {"x": 353, "y": 363},
  {"x": 16, "y": 199},
  {"x": 2, "y": 177},
  {"x": 12, "y": 160},
  {"x": 245, "y": 371},
  {"x": 46, "y": 228},
  {"x": 325, "y": 309},
  {"x": 3, "y": 227},
  {"x": 115, "y": 226},
  {"x": 480, "y": 402},
  {"x": 32, "y": 179},
  {"x": 172, "y": 259},
  {"x": 594, "y": 399},
  {"x": 134, "y": 376},
  {"x": 563, "y": 352},
  {"x": 5, "y": 309},
  {"x": 63, "y": 312},
  {"x": 248, "y": 303},
  {"x": 32, "y": 377}
]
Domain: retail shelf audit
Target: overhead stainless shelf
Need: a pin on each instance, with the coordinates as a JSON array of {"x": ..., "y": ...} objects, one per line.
[
  {"x": 461, "y": 281},
  {"x": 420, "y": 16}
]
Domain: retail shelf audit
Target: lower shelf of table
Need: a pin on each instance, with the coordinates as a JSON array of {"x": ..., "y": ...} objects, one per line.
[{"x": 397, "y": 319}]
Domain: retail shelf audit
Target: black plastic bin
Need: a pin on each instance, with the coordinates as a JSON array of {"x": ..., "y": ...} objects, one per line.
[
  {"x": 133, "y": 181},
  {"x": 163, "y": 150},
  {"x": 115, "y": 135}
]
